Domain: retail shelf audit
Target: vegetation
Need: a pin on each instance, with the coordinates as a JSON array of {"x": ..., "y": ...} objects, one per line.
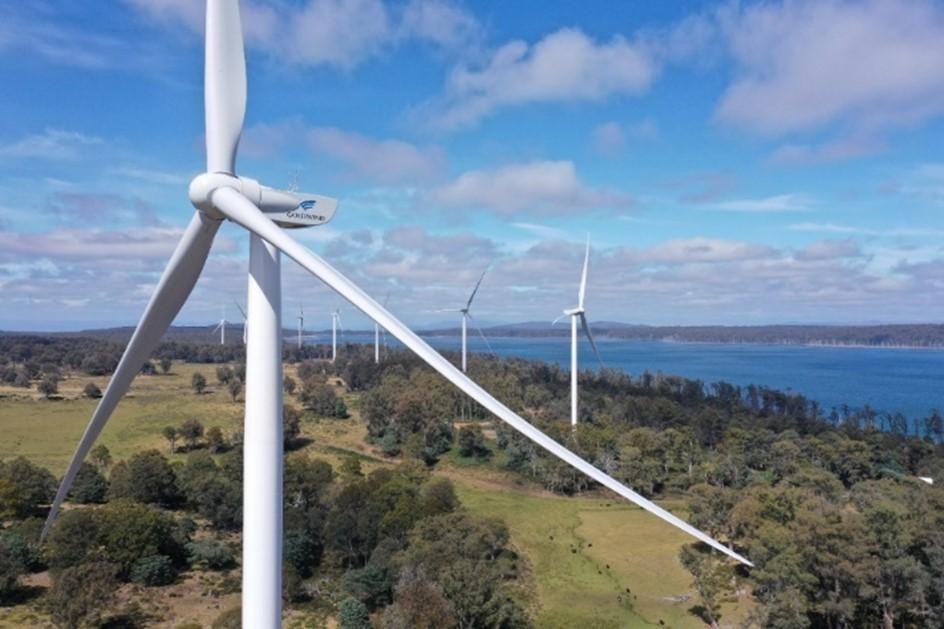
[{"x": 823, "y": 502}]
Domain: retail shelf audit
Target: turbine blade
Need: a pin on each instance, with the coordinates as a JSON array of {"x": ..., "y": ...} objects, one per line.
[
  {"x": 240, "y": 210},
  {"x": 583, "y": 276},
  {"x": 586, "y": 330},
  {"x": 240, "y": 308},
  {"x": 557, "y": 320},
  {"x": 224, "y": 90},
  {"x": 475, "y": 290},
  {"x": 172, "y": 291}
]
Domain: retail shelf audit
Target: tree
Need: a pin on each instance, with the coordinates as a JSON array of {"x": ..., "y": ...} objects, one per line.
[
  {"x": 210, "y": 554},
  {"x": 235, "y": 387},
  {"x": 353, "y": 614},
  {"x": 80, "y": 595},
  {"x": 89, "y": 485},
  {"x": 92, "y": 391},
  {"x": 215, "y": 440},
  {"x": 291, "y": 425},
  {"x": 288, "y": 384},
  {"x": 10, "y": 571},
  {"x": 418, "y": 604},
  {"x": 101, "y": 456},
  {"x": 166, "y": 365},
  {"x": 710, "y": 579},
  {"x": 26, "y": 487},
  {"x": 198, "y": 383},
  {"x": 170, "y": 433},
  {"x": 224, "y": 374},
  {"x": 48, "y": 387},
  {"x": 191, "y": 431},
  {"x": 472, "y": 442},
  {"x": 130, "y": 532},
  {"x": 147, "y": 477}
]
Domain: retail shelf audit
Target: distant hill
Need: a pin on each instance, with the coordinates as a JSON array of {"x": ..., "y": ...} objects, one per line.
[{"x": 917, "y": 335}]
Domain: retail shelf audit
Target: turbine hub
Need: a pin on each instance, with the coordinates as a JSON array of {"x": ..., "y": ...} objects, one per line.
[
  {"x": 202, "y": 188},
  {"x": 574, "y": 311}
]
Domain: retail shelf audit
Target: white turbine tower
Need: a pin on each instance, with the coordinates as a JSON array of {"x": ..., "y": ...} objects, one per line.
[
  {"x": 301, "y": 325},
  {"x": 335, "y": 324},
  {"x": 465, "y": 320},
  {"x": 575, "y": 314},
  {"x": 221, "y": 326},
  {"x": 243, "y": 314},
  {"x": 377, "y": 335},
  {"x": 219, "y": 194}
]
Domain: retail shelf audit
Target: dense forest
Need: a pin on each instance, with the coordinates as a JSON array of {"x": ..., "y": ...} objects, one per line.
[{"x": 827, "y": 504}]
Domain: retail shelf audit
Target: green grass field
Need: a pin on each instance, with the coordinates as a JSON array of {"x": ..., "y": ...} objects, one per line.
[{"x": 584, "y": 553}]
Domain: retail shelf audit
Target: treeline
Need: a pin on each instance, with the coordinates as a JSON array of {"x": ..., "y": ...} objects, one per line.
[
  {"x": 898, "y": 335},
  {"x": 394, "y": 543}
]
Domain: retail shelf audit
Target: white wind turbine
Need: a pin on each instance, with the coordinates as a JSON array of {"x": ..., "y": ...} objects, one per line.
[
  {"x": 243, "y": 314},
  {"x": 465, "y": 319},
  {"x": 301, "y": 325},
  {"x": 377, "y": 335},
  {"x": 575, "y": 314},
  {"x": 335, "y": 325},
  {"x": 221, "y": 326},
  {"x": 219, "y": 194}
]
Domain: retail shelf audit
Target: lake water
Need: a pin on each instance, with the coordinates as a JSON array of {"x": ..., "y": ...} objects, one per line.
[{"x": 909, "y": 381}]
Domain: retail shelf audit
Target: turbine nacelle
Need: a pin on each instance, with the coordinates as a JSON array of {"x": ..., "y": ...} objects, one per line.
[
  {"x": 574, "y": 311},
  {"x": 286, "y": 209}
]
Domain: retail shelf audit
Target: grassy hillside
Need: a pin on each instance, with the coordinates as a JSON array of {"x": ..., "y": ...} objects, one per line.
[{"x": 594, "y": 561}]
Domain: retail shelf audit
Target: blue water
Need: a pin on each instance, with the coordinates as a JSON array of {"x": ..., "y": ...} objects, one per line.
[{"x": 888, "y": 380}]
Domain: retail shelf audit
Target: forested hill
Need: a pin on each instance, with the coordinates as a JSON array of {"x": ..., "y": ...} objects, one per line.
[
  {"x": 912, "y": 335},
  {"x": 901, "y": 335}
]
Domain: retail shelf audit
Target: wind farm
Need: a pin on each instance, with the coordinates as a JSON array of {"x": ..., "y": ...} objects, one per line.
[{"x": 757, "y": 439}]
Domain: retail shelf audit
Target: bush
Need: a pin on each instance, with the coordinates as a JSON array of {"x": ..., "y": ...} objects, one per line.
[
  {"x": 472, "y": 442},
  {"x": 89, "y": 485},
  {"x": 23, "y": 487},
  {"x": 191, "y": 431},
  {"x": 10, "y": 571},
  {"x": 153, "y": 570},
  {"x": 48, "y": 387},
  {"x": 352, "y": 614},
  {"x": 147, "y": 477},
  {"x": 79, "y": 596},
  {"x": 92, "y": 391},
  {"x": 198, "y": 383},
  {"x": 210, "y": 554}
]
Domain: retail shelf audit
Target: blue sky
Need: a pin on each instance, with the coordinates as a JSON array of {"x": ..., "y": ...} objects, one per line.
[{"x": 733, "y": 163}]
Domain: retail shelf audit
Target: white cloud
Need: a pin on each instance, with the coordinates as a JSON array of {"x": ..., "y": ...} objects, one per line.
[
  {"x": 99, "y": 244},
  {"x": 608, "y": 138},
  {"x": 384, "y": 161},
  {"x": 340, "y": 33},
  {"x": 893, "y": 232},
  {"x": 700, "y": 249},
  {"x": 564, "y": 66},
  {"x": 52, "y": 144},
  {"x": 542, "y": 188},
  {"x": 829, "y": 250},
  {"x": 777, "y": 203},
  {"x": 804, "y": 64}
]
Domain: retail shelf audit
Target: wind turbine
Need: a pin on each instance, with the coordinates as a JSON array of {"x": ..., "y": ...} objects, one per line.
[
  {"x": 221, "y": 326},
  {"x": 575, "y": 314},
  {"x": 465, "y": 319},
  {"x": 335, "y": 324},
  {"x": 301, "y": 325},
  {"x": 243, "y": 313},
  {"x": 377, "y": 335},
  {"x": 219, "y": 194}
]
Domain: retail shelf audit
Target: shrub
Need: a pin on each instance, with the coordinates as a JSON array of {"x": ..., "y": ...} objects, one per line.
[
  {"x": 153, "y": 570},
  {"x": 472, "y": 442},
  {"x": 80, "y": 595},
  {"x": 191, "y": 431},
  {"x": 10, "y": 571},
  {"x": 198, "y": 383},
  {"x": 352, "y": 614},
  {"x": 92, "y": 391},
  {"x": 89, "y": 485},
  {"x": 146, "y": 477},
  {"x": 48, "y": 387},
  {"x": 230, "y": 619},
  {"x": 210, "y": 554}
]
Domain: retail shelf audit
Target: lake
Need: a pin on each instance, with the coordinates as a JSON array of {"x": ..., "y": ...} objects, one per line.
[{"x": 909, "y": 381}]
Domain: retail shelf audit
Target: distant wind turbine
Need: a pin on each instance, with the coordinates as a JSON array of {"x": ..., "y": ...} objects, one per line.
[
  {"x": 243, "y": 313},
  {"x": 575, "y": 314},
  {"x": 301, "y": 325},
  {"x": 335, "y": 325},
  {"x": 466, "y": 317},
  {"x": 221, "y": 326}
]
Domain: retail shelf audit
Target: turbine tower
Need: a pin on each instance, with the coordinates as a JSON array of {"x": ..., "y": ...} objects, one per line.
[
  {"x": 220, "y": 194},
  {"x": 335, "y": 324},
  {"x": 575, "y": 314},
  {"x": 221, "y": 326},
  {"x": 466, "y": 317},
  {"x": 243, "y": 314},
  {"x": 301, "y": 325}
]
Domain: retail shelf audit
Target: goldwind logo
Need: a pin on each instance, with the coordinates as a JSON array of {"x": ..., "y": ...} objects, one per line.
[{"x": 307, "y": 205}]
